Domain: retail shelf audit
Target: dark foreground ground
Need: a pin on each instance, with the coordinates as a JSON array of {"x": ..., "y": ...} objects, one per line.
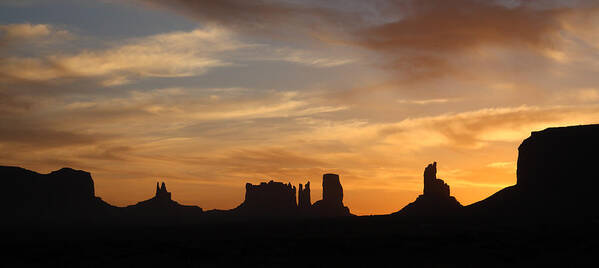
[{"x": 355, "y": 242}]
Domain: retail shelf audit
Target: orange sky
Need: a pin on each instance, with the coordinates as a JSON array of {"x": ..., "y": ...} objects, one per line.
[{"x": 207, "y": 96}]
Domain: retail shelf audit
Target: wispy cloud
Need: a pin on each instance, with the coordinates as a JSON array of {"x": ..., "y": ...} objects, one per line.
[
  {"x": 15, "y": 33},
  {"x": 174, "y": 54},
  {"x": 424, "y": 102},
  {"x": 502, "y": 165},
  {"x": 167, "y": 55}
]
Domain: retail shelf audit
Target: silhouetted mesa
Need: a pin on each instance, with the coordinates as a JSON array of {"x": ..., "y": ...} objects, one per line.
[
  {"x": 556, "y": 177},
  {"x": 268, "y": 199},
  {"x": 435, "y": 200},
  {"x": 62, "y": 195},
  {"x": 303, "y": 197},
  {"x": 332, "y": 198}
]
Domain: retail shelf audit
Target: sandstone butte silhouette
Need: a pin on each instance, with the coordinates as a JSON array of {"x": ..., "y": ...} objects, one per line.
[
  {"x": 556, "y": 180},
  {"x": 279, "y": 200},
  {"x": 435, "y": 200}
]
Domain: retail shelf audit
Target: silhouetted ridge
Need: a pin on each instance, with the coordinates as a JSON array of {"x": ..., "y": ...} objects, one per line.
[
  {"x": 62, "y": 195},
  {"x": 556, "y": 177},
  {"x": 435, "y": 200}
]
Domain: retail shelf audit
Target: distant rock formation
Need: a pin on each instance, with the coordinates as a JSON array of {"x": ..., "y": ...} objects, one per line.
[
  {"x": 61, "y": 196},
  {"x": 161, "y": 208},
  {"x": 303, "y": 197},
  {"x": 268, "y": 199},
  {"x": 432, "y": 185},
  {"x": 435, "y": 201},
  {"x": 332, "y": 198},
  {"x": 162, "y": 198},
  {"x": 278, "y": 200},
  {"x": 161, "y": 192},
  {"x": 556, "y": 178}
]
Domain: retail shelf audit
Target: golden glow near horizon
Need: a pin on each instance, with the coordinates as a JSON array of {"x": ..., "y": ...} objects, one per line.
[{"x": 230, "y": 92}]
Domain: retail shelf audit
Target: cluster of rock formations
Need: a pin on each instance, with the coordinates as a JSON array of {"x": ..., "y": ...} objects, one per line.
[
  {"x": 555, "y": 176},
  {"x": 303, "y": 197},
  {"x": 435, "y": 200},
  {"x": 275, "y": 199}
]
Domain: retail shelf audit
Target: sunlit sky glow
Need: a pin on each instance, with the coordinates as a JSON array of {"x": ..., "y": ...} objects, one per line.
[{"x": 209, "y": 95}]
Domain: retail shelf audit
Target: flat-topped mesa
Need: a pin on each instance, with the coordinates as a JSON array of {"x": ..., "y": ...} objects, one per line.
[
  {"x": 303, "y": 197},
  {"x": 558, "y": 159},
  {"x": 432, "y": 185},
  {"x": 332, "y": 198},
  {"x": 556, "y": 179},
  {"x": 59, "y": 196},
  {"x": 269, "y": 199}
]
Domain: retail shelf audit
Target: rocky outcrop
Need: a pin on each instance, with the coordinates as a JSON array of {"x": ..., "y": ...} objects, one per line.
[
  {"x": 432, "y": 185},
  {"x": 162, "y": 198},
  {"x": 303, "y": 197},
  {"x": 278, "y": 200},
  {"x": 556, "y": 178},
  {"x": 435, "y": 201},
  {"x": 162, "y": 209},
  {"x": 162, "y": 193},
  {"x": 268, "y": 199},
  {"x": 332, "y": 198}
]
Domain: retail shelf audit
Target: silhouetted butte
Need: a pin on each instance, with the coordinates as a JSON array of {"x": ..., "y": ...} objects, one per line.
[
  {"x": 331, "y": 204},
  {"x": 435, "y": 200}
]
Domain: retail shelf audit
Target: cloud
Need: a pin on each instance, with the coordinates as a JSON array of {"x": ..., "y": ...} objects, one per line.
[
  {"x": 432, "y": 38},
  {"x": 12, "y": 34},
  {"x": 417, "y": 39},
  {"x": 175, "y": 54},
  {"x": 502, "y": 165},
  {"x": 167, "y": 55},
  {"x": 42, "y": 137},
  {"x": 310, "y": 58},
  {"x": 13, "y": 105},
  {"x": 271, "y": 161},
  {"x": 287, "y": 19},
  {"x": 424, "y": 102},
  {"x": 24, "y": 31},
  {"x": 441, "y": 26},
  {"x": 475, "y": 129}
]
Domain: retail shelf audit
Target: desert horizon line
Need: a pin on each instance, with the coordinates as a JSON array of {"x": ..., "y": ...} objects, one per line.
[{"x": 270, "y": 191}]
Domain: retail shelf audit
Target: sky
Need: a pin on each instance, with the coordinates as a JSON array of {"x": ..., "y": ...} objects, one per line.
[{"x": 209, "y": 95}]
